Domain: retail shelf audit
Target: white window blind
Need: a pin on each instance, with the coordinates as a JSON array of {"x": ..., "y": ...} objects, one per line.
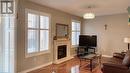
[
  {"x": 32, "y": 33},
  {"x": 75, "y": 32},
  {"x": 37, "y": 33},
  {"x": 7, "y": 44}
]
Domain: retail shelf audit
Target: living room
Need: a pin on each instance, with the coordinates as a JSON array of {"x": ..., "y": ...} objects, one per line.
[{"x": 44, "y": 26}]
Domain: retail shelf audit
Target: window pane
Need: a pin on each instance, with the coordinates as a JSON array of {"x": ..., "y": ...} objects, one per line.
[
  {"x": 44, "y": 22},
  {"x": 74, "y": 38},
  {"x": 78, "y": 33},
  {"x": 4, "y": 7},
  {"x": 74, "y": 26},
  {"x": 75, "y": 33},
  {"x": 32, "y": 41},
  {"x": 78, "y": 26},
  {"x": 44, "y": 40},
  {"x": 32, "y": 21}
]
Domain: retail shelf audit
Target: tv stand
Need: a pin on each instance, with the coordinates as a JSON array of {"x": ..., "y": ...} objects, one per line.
[
  {"x": 83, "y": 50},
  {"x": 93, "y": 48}
]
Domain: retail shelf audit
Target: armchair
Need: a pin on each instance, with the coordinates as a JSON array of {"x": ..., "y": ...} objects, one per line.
[
  {"x": 124, "y": 67},
  {"x": 119, "y": 55}
]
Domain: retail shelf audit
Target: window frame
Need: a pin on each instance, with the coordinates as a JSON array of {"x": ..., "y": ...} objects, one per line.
[
  {"x": 77, "y": 21},
  {"x": 38, "y": 29}
]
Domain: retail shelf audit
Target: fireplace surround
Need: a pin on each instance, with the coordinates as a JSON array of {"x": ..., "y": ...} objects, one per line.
[{"x": 61, "y": 51}]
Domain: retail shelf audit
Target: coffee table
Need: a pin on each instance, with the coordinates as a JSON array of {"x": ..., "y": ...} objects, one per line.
[{"x": 91, "y": 58}]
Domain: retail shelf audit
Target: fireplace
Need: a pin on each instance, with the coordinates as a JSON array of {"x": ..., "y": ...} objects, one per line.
[{"x": 62, "y": 51}]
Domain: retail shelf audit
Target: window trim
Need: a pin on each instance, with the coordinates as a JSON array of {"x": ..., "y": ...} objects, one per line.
[
  {"x": 27, "y": 55},
  {"x": 77, "y": 21}
]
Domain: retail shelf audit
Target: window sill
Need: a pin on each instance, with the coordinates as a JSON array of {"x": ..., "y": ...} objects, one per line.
[
  {"x": 36, "y": 54},
  {"x": 74, "y": 46}
]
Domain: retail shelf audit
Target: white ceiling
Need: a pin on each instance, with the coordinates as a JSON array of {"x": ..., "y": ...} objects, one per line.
[{"x": 80, "y": 7}]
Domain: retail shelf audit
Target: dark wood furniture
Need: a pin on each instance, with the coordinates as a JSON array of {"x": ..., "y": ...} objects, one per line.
[
  {"x": 91, "y": 58},
  {"x": 83, "y": 50}
]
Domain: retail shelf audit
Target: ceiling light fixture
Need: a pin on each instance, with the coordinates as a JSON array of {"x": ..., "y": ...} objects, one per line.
[{"x": 89, "y": 15}]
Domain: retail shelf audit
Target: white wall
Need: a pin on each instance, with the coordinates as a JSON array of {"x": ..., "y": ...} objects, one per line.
[
  {"x": 110, "y": 40},
  {"x": 25, "y": 64}
]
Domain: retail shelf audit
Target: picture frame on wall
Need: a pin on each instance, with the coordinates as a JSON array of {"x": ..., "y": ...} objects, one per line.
[{"x": 62, "y": 30}]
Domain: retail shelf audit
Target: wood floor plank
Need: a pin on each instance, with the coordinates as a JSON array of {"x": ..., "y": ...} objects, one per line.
[{"x": 71, "y": 66}]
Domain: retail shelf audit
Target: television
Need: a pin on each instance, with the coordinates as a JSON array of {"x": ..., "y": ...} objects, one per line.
[{"x": 88, "y": 40}]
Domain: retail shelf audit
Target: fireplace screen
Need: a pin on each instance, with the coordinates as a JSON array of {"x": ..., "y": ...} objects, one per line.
[{"x": 62, "y": 51}]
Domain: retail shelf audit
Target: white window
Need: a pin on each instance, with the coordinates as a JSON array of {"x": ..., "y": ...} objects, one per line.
[
  {"x": 37, "y": 32},
  {"x": 7, "y": 44},
  {"x": 75, "y": 32}
]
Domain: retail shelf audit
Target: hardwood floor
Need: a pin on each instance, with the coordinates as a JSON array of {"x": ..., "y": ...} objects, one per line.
[{"x": 71, "y": 66}]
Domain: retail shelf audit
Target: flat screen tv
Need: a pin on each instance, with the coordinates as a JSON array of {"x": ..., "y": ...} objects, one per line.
[{"x": 88, "y": 40}]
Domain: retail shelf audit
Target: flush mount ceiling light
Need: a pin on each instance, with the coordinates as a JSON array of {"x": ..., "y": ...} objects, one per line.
[{"x": 89, "y": 15}]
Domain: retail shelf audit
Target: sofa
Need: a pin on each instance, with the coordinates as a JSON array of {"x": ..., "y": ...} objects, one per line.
[{"x": 118, "y": 64}]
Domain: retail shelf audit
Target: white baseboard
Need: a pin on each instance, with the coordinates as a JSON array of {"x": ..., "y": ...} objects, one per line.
[
  {"x": 35, "y": 68},
  {"x": 107, "y": 56},
  {"x": 38, "y": 67}
]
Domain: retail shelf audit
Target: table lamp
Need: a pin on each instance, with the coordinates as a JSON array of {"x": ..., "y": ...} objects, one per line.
[{"x": 127, "y": 40}]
